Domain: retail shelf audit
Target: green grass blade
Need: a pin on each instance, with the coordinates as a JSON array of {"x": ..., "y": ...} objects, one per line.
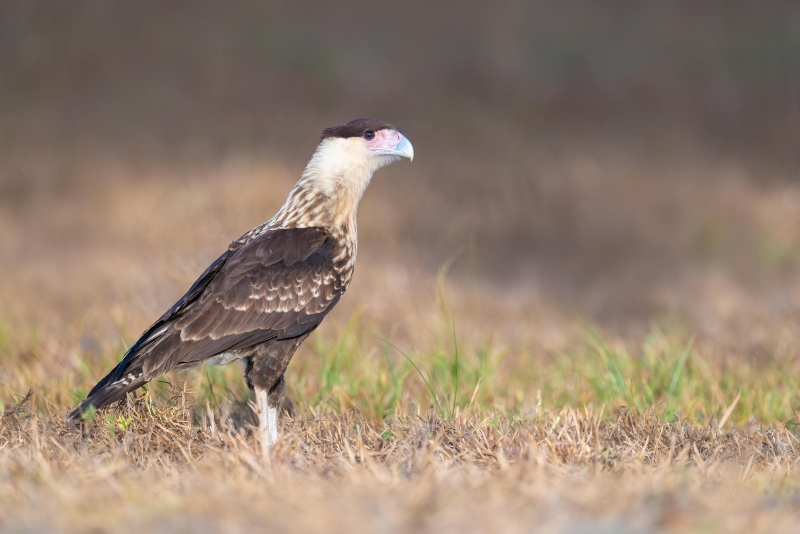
[
  {"x": 676, "y": 374},
  {"x": 419, "y": 372}
]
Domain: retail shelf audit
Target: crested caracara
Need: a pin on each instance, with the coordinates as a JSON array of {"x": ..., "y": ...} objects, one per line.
[{"x": 273, "y": 286}]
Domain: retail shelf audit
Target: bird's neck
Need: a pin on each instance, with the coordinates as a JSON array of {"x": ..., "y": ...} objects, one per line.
[{"x": 328, "y": 193}]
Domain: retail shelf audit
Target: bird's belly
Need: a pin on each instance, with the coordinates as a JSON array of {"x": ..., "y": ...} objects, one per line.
[{"x": 224, "y": 357}]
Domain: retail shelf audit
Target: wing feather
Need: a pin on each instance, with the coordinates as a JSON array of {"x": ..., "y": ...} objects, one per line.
[{"x": 277, "y": 286}]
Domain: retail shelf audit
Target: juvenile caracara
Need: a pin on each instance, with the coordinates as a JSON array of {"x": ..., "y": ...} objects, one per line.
[{"x": 274, "y": 285}]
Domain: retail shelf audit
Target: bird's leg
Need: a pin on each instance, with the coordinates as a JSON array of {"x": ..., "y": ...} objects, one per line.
[
  {"x": 268, "y": 420},
  {"x": 269, "y": 403},
  {"x": 263, "y": 370}
]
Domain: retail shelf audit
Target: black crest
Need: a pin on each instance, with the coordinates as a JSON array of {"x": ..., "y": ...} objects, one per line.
[{"x": 356, "y": 128}]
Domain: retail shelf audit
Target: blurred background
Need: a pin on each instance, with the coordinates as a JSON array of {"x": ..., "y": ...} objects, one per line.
[{"x": 621, "y": 164}]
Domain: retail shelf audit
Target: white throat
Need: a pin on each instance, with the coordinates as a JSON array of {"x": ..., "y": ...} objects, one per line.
[{"x": 343, "y": 167}]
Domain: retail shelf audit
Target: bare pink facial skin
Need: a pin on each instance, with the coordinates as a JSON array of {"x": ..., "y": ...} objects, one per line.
[{"x": 385, "y": 141}]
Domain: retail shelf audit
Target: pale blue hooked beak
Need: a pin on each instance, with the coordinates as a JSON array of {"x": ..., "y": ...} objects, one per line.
[{"x": 403, "y": 148}]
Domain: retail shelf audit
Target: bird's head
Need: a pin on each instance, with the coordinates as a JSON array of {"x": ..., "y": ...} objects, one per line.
[
  {"x": 367, "y": 141},
  {"x": 349, "y": 154}
]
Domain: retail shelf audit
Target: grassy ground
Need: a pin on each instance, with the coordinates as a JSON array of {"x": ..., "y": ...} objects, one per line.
[{"x": 454, "y": 439}]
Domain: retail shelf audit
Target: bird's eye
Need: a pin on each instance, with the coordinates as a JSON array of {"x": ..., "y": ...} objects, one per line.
[{"x": 369, "y": 135}]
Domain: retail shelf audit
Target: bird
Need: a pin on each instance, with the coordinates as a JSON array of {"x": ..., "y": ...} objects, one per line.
[{"x": 273, "y": 286}]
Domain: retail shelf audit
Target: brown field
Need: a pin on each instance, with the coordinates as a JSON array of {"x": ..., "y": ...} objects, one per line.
[{"x": 577, "y": 310}]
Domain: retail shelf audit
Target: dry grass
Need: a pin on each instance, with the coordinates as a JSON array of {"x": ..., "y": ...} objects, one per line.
[{"x": 416, "y": 471}]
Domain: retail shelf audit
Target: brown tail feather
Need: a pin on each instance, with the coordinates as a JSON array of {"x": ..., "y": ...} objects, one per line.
[{"x": 105, "y": 396}]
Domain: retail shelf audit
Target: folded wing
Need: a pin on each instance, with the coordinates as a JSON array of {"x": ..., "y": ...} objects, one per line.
[{"x": 278, "y": 285}]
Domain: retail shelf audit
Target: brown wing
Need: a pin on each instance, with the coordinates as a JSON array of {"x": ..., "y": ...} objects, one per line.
[{"x": 279, "y": 285}]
